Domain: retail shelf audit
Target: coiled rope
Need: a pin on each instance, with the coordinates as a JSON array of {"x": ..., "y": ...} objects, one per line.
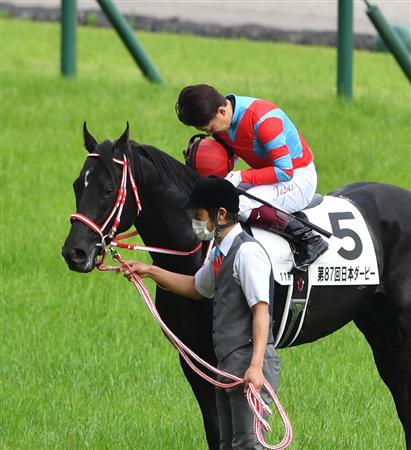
[{"x": 257, "y": 404}]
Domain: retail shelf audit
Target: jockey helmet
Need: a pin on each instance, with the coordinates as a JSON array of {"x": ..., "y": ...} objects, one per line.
[{"x": 208, "y": 157}]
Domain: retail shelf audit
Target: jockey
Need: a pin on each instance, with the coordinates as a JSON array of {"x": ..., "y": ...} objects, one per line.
[{"x": 282, "y": 169}]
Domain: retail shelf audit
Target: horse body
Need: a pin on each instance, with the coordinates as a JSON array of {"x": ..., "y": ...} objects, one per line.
[
  {"x": 385, "y": 319},
  {"x": 382, "y": 313}
]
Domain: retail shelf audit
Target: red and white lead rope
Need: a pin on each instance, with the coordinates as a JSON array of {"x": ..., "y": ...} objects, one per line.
[{"x": 254, "y": 398}]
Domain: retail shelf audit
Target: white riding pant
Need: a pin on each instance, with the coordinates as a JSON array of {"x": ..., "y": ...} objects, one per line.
[{"x": 289, "y": 196}]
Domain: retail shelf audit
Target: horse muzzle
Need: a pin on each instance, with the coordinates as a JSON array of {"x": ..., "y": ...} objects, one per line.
[{"x": 80, "y": 260}]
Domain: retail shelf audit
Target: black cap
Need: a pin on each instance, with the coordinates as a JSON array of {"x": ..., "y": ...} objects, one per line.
[{"x": 213, "y": 192}]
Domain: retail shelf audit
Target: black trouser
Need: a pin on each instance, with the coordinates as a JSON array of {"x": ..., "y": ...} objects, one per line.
[{"x": 234, "y": 414}]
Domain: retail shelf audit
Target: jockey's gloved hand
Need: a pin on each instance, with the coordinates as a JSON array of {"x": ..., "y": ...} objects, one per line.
[{"x": 234, "y": 177}]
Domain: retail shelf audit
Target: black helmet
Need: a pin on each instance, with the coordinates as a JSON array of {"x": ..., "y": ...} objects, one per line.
[{"x": 213, "y": 192}]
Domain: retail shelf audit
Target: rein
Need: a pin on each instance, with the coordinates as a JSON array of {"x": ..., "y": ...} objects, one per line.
[{"x": 255, "y": 401}]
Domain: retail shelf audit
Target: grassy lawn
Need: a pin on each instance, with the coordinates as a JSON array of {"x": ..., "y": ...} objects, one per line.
[{"x": 83, "y": 366}]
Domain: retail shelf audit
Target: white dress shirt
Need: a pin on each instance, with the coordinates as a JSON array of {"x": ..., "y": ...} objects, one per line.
[{"x": 251, "y": 270}]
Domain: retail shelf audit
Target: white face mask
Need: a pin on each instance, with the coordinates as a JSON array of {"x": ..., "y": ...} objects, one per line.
[{"x": 201, "y": 231}]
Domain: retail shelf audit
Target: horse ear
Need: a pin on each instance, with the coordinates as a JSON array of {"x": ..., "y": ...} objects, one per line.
[
  {"x": 89, "y": 142},
  {"x": 122, "y": 142}
]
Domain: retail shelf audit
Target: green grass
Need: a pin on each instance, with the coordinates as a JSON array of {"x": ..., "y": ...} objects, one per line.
[{"x": 83, "y": 365}]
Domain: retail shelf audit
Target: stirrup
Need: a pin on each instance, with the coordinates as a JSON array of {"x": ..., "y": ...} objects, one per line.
[{"x": 304, "y": 267}]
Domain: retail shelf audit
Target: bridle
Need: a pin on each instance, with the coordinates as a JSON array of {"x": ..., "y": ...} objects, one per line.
[
  {"x": 108, "y": 238},
  {"x": 118, "y": 205}
]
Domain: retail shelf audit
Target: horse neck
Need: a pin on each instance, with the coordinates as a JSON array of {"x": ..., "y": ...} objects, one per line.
[{"x": 163, "y": 221}]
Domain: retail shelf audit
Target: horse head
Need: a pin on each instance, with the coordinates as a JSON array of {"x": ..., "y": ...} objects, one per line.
[
  {"x": 96, "y": 191},
  {"x": 113, "y": 179}
]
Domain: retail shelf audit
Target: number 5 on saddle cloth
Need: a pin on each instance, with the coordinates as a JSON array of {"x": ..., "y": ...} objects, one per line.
[{"x": 350, "y": 261}]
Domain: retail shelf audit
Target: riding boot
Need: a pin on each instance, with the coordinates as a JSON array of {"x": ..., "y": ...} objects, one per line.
[{"x": 307, "y": 246}]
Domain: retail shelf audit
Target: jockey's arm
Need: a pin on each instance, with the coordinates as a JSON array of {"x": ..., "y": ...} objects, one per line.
[
  {"x": 270, "y": 134},
  {"x": 175, "y": 282}
]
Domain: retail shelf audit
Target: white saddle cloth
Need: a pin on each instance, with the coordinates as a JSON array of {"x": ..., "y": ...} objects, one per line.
[{"x": 350, "y": 259}]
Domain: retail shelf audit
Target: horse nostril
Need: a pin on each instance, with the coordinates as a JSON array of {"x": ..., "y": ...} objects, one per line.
[{"x": 77, "y": 255}]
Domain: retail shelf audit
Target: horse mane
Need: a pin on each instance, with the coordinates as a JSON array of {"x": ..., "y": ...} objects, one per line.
[
  {"x": 172, "y": 171},
  {"x": 169, "y": 168}
]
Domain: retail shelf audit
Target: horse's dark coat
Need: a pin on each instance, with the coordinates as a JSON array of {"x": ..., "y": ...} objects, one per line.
[{"x": 382, "y": 313}]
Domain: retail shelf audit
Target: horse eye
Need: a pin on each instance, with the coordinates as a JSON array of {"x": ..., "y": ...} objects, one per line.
[{"x": 108, "y": 189}]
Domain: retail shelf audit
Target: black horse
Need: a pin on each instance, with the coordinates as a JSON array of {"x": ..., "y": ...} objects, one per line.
[{"x": 382, "y": 313}]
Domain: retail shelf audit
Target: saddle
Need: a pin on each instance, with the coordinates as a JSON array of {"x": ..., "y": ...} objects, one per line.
[
  {"x": 316, "y": 200},
  {"x": 350, "y": 260}
]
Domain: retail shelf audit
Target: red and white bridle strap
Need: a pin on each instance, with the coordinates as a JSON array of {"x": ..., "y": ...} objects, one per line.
[
  {"x": 118, "y": 208},
  {"x": 88, "y": 222},
  {"x": 148, "y": 248},
  {"x": 118, "y": 205}
]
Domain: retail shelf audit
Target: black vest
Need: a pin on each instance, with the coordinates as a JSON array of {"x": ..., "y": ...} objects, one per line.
[{"x": 233, "y": 318}]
